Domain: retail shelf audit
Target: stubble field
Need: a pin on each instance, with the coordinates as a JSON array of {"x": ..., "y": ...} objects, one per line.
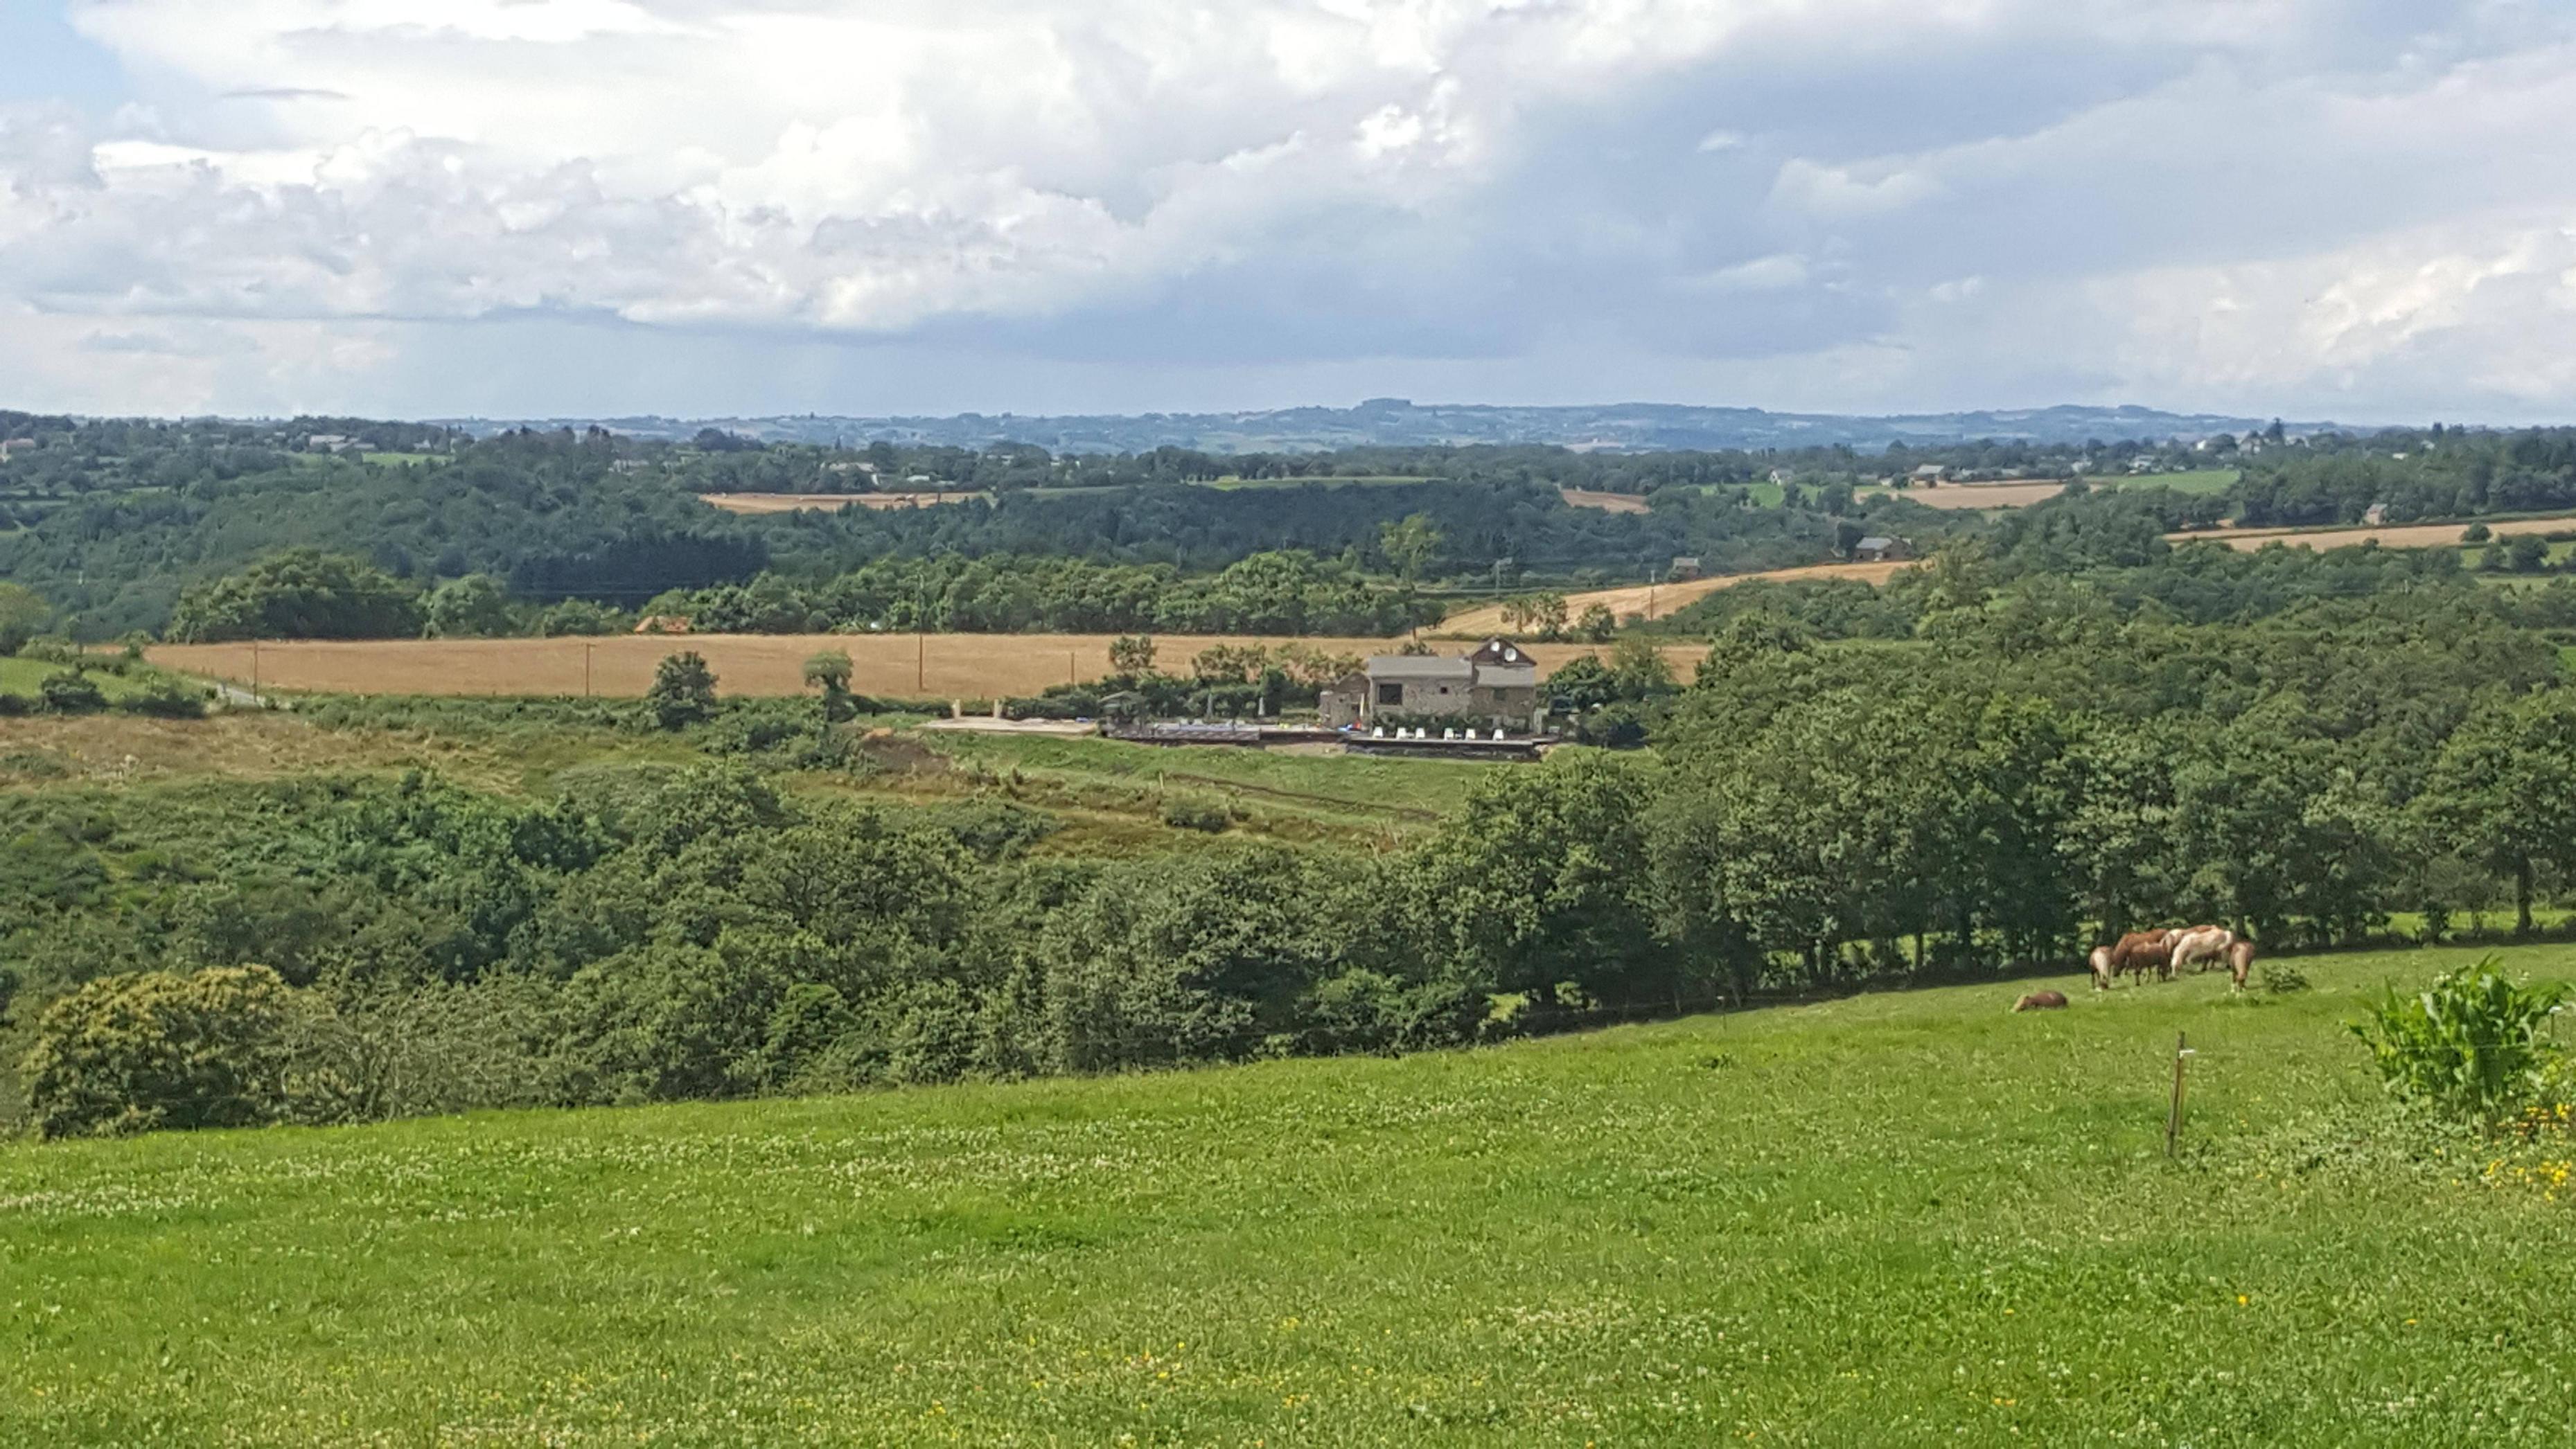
[
  {"x": 934, "y": 666},
  {"x": 1898, "y": 1219}
]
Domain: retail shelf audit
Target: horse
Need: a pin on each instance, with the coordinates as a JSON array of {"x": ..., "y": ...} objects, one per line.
[
  {"x": 2240, "y": 959},
  {"x": 2041, "y": 1001},
  {"x": 2201, "y": 946},
  {"x": 2142, "y": 952},
  {"x": 2100, "y": 961}
]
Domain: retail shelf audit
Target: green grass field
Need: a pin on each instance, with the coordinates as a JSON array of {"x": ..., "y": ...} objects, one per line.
[
  {"x": 1906, "y": 1218},
  {"x": 25, "y": 676},
  {"x": 1292, "y": 796},
  {"x": 2198, "y": 480}
]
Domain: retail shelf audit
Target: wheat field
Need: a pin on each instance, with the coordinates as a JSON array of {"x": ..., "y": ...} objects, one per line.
[{"x": 930, "y": 666}]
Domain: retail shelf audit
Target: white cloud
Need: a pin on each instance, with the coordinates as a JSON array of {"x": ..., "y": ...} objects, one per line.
[{"x": 2287, "y": 201}]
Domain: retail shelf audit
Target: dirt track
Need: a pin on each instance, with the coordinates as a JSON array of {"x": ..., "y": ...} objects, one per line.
[
  {"x": 1654, "y": 601},
  {"x": 902, "y": 666}
]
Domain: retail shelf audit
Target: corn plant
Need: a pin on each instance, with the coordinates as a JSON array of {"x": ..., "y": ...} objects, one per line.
[{"x": 2473, "y": 1045}]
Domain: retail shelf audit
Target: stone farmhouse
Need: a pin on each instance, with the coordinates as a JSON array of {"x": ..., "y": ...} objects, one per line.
[{"x": 1495, "y": 686}]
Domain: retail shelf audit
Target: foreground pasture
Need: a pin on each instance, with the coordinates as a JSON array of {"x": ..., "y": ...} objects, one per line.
[{"x": 1905, "y": 1218}]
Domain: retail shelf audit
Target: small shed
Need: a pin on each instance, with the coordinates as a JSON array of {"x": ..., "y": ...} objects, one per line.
[{"x": 1878, "y": 548}]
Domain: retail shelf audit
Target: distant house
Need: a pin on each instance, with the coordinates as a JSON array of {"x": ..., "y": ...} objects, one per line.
[
  {"x": 2375, "y": 514},
  {"x": 1779, "y": 475},
  {"x": 1930, "y": 473},
  {"x": 328, "y": 443},
  {"x": 15, "y": 446},
  {"x": 1495, "y": 685},
  {"x": 1684, "y": 566},
  {"x": 1880, "y": 549}
]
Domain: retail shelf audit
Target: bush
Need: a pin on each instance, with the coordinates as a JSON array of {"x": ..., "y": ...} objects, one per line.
[
  {"x": 2476, "y": 533},
  {"x": 70, "y": 692},
  {"x": 1186, "y": 812},
  {"x": 2471, "y": 1045},
  {"x": 157, "y": 1049},
  {"x": 165, "y": 698},
  {"x": 2280, "y": 980}
]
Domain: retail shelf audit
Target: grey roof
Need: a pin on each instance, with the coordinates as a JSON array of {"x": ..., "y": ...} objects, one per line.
[
  {"x": 1419, "y": 666},
  {"x": 1874, "y": 541}
]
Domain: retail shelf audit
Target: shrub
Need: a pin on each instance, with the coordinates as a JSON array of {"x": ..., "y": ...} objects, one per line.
[
  {"x": 2472, "y": 1045},
  {"x": 157, "y": 1049},
  {"x": 166, "y": 698},
  {"x": 1186, "y": 812},
  {"x": 70, "y": 692},
  {"x": 2281, "y": 980},
  {"x": 2476, "y": 533}
]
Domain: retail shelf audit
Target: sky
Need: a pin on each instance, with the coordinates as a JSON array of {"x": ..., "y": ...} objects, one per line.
[{"x": 2362, "y": 210}]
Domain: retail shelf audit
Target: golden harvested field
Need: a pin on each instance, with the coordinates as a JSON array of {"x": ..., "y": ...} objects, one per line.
[
  {"x": 903, "y": 666},
  {"x": 790, "y": 502},
  {"x": 2400, "y": 535},
  {"x": 1606, "y": 502},
  {"x": 1654, "y": 601},
  {"x": 1979, "y": 495}
]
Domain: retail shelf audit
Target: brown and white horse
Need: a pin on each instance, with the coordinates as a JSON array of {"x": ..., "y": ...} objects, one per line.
[
  {"x": 2142, "y": 952},
  {"x": 2204, "y": 947}
]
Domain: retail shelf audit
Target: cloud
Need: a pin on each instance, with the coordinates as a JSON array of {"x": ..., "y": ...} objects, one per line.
[{"x": 1860, "y": 203}]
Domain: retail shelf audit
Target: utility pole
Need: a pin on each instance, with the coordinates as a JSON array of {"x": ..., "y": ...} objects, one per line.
[
  {"x": 254, "y": 671},
  {"x": 585, "y": 668}
]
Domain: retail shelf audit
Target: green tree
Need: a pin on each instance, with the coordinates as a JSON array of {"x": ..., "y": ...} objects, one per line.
[
  {"x": 2527, "y": 554},
  {"x": 473, "y": 607},
  {"x": 300, "y": 594},
  {"x": 2503, "y": 790},
  {"x": 22, "y": 613},
  {"x": 1132, "y": 655},
  {"x": 161, "y": 1050},
  {"x": 683, "y": 691},
  {"x": 1597, "y": 623}
]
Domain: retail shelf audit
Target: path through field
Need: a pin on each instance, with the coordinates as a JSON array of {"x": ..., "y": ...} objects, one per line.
[
  {"x": 1654, "y": 601},
  {"x": 2400, "y": 535},
  {"x": 790, "y": 502},
  {"x": 901, "y": 666}
]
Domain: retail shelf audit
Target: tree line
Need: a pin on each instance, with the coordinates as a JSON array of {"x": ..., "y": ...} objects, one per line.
[{"x": 2020, "y": 782}]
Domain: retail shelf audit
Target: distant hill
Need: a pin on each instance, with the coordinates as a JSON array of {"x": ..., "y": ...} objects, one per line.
[{"x": 1397, "y": 422}]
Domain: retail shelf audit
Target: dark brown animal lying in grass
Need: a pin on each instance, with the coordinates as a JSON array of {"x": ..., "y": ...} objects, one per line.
[{"x": 2041, "y": 1001}]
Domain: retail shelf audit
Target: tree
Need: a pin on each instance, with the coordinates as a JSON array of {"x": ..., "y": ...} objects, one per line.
[
  {"x": 2503, "y": 790},
  {"x": 22, "y": 613},
  {"x": 300, "y": 594},
  {"x": 473, "y": 607},
  {"x": 2527, "y": 554},
  {"x": 2476, "y": 533},
  {"x": 1132, "y": 655},
  {"x": 1597, "y": 623},
  {"x": 829, "y": 672},
  {"x": 157, "y": 1049},
  {"x": 1410, "y": 544},
  {"x": 683, "y": 692}
]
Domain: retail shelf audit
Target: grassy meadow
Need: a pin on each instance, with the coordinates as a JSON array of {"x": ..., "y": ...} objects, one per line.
[{"x": 1904, "y": 1218}]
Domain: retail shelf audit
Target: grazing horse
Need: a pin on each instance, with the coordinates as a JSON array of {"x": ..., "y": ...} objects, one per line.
[
  {"x": 2240, "y": 959},
  {"x": 2100, "y": 961},
  {"x": 2041, "y": 1001},
  {"x": 2142, "y": 952},
  {"x": 2202, "y": 946}
]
